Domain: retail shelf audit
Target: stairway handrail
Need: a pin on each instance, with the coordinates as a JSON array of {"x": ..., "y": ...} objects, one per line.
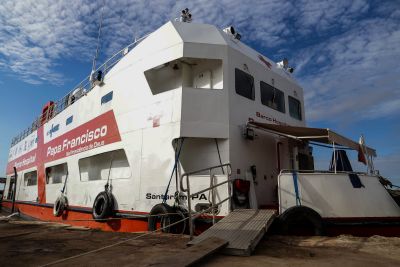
[
  {"x": 229, "y": 172},
  {"x": 211, "y": 187}
]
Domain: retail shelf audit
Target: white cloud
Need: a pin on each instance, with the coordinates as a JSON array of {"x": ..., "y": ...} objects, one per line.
[
  {"x": 34, "y": 34},
  {"x": 346, "y": 53},
  {"x": 346, "y": 60},
  {"x": 354, "y": 73}
]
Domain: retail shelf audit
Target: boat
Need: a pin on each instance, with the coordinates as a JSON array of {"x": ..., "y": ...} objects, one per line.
[{"x": 182, "y": 127}]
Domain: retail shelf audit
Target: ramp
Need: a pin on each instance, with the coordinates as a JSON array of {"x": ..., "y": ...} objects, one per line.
[
  {"x": 242, "y": 228},
  {"x": 192, "y": 255}
]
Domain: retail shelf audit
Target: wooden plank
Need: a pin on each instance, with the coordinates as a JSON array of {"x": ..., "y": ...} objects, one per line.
[
  {"x": 243, "y": 229},
  {"x": 192, "y": 254}
]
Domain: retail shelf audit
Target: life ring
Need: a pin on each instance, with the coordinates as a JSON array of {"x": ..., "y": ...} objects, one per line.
[
  {"x": 301, "y": 220},
  {"x": 103, "y": 206},
  {"x": 162, "y": 215},
  {"x": 60, "y": 205}
]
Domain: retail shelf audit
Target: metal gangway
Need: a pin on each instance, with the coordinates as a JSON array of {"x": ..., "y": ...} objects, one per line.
[{"x": 241, "y": 229}]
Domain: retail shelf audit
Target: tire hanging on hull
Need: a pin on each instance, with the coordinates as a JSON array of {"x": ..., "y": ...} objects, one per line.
[
  {"x": 60, "y": 205},
  {"x": 162, "y": 215},
  {"x": 103, "y": 206}
]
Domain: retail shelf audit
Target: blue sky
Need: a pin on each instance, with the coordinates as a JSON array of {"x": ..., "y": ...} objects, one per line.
[{"x": 346, "y": 55}]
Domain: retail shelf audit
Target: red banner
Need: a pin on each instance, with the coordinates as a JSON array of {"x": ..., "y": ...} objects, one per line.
[{"x": 98, "y": 132}]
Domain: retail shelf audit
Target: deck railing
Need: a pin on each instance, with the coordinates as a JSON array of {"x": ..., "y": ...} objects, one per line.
[
  {"x": 323, "y": 172},
  {"x": 81, "y": 89}
]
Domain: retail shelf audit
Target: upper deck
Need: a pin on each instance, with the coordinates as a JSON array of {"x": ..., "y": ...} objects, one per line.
[{"x": 194, "y": 45}]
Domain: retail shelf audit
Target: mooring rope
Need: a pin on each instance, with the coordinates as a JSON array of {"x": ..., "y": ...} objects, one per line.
[{"x": 124, "y": 241}]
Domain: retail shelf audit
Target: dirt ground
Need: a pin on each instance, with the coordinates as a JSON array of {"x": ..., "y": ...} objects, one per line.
[{"x": 25, "y": 243}]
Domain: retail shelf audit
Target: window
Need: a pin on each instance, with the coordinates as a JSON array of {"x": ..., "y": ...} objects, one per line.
[
  {"x": 30, "y": 178},
  {"x": 107, "y": 98},
  {"x": 101, "y": 166},
  {"x": 272, "y": 97},
  {"x": 55, "y": 128},
  {"x": 56, "y": 174},
  {"x": 244, "y": 84},
  {"x": 69, "y": 120},
  {"x": 294, "y": 108}
]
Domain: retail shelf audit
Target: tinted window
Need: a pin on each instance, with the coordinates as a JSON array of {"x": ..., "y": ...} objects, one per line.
[
  {"x": 30, "y": 178},
  {"x": 244, "y": 84},
  {"x": 107, "y": 98},
  {"x": 294, "y": 108},
  {"x": 56, "y": 174},
  {"x": 69, "y": 120},
  {"x": 272, "y": 97},
  {"x": 113, "y": 164}
]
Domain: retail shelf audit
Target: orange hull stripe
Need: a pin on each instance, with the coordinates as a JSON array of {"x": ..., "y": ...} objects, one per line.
[{"x": 69, "y": 217}]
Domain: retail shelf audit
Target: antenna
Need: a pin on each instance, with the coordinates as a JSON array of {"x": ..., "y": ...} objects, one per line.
[{"x": 98, "y": 39}]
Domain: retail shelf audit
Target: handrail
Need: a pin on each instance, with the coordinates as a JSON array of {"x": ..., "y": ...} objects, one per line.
[
  {"x": 203, "y": 170},
  {"x": 324, "y": 172},
  {"x": 211, "y": 187},
  {"x": 83, "y": 88}
]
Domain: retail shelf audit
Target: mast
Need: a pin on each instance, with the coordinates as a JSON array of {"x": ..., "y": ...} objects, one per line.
[{"x": 98, "y": 40}]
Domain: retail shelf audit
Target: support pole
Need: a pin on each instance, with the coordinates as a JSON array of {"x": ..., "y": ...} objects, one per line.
[
  {"x": 189, "y": 208},
  {"x": 334, "y": 155}
]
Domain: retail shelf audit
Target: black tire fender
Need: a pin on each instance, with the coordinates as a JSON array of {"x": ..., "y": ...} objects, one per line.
[
  {"x": 298, "y": 215},
  {"x": 161, "y": 212},
  {"x": 103, "y": 206},
  {"x": 60, "y": 205}
]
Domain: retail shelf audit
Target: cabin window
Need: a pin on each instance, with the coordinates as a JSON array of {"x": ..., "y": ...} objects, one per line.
[
  {"x": 200, "y": 73},
  {"x": 107, "y": 98},
  {"x": 56, "y": 174},
  {"x": 113, "y": 164},
  {"x": 294, "y": 108},
  {"x": 30, "y": 178},
  {"x": 69, "y": 120},
  {"x": 272, "y": 97},
  {"x": 244, "y": 84}
]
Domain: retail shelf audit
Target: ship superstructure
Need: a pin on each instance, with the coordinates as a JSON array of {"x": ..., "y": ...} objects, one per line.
[{"x": 188, "y": 98}]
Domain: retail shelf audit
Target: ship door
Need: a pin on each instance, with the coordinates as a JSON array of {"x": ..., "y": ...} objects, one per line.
[
  {"x": 278, "y": 156},
  {"x": 10, "y": 193}
]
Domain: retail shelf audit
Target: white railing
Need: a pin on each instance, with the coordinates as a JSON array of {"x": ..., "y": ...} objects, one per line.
[
  {"x": 76, "y": 93},
  {"x": 323, "y": 172},
  {"x": 214, "y": 206}
]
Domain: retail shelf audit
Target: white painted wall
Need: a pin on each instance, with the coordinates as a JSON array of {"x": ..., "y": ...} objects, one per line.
[{"x": 332, "y": 195}]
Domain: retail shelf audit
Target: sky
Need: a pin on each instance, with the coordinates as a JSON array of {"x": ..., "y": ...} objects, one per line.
[{"x": 346, "y": 56}]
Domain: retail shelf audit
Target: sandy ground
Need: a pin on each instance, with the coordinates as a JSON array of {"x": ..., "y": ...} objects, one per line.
[{"x": 35, "y": 243}]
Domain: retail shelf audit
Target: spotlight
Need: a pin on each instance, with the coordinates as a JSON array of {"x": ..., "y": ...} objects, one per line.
[
  {"x": 186, "y": 16},
  {"x": 249, "y": 134},
  {"x": 231, "y": 30},
  {"x": 238, "y": 36},
  {"x": 284, "y": 64}
]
